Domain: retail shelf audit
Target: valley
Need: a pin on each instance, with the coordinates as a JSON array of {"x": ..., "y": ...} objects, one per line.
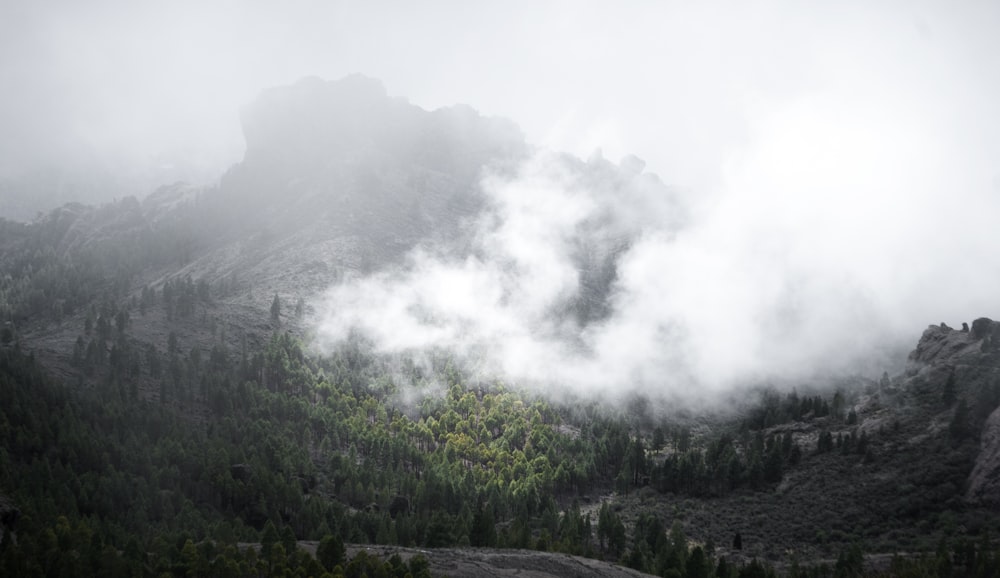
[{"x": 172, "y": 401}]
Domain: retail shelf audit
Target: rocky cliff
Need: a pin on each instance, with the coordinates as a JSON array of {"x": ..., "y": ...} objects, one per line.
[
  {"x": 961, "y": 368},
  {"x": 984, "y": 482}
]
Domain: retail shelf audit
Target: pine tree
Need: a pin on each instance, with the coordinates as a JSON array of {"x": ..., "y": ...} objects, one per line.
[
  {"x": 276, "y": 309},
  {"x": 269, "y": 537},
  {"x": 330, "y": 551},
  {"x": 483, "y": 533}
]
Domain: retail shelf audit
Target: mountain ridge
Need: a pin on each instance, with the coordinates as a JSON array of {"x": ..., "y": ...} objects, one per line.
[{"x": 195, "y": 304}]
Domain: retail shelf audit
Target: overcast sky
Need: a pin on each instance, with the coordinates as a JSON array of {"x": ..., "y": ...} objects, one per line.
[
  {"x": 687, "y": 86},
  {"x": 849, "y": 150}
]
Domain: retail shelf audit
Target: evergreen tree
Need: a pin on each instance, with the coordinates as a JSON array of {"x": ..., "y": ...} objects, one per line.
[
  {"x": 697, "y": 566},
  {"x": 330, "y": 551},
  {"x": 276, "y": 309},
  {"x": 483, "y": 533},
  {"x": 268, "y": 538}
]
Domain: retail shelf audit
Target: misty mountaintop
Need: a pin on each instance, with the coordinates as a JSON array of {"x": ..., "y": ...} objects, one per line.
[
  {"x": 342, "y": 160},
  {"x": 370, "y": 264},
  {"x": 443, "y": 228}
]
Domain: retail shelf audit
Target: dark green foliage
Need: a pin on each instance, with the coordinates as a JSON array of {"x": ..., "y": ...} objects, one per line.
[
  {"x": 697, "y": 565},
  {"x": 330, "y": 552},
  {"x": 419, "y": 566},
  {"x": 483, "y": 532},
  {"x": 276, "y": 309},
  {"x": 850, "y": 562},
  {"x": 659, "y": 439},
  {"x": 164, "y": 456},
  {"x": 754, "y": 569},
  {"x": 610, "y": 531},
  {"x": 439, "y": 531}
]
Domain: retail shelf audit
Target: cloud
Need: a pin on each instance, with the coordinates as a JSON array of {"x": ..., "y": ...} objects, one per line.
[
  {"x": 839, "y": 229},
  {"x": 592, "y": 277},
  {"x": 524, "y": 301},
  {"x": 837, "y": 169}
]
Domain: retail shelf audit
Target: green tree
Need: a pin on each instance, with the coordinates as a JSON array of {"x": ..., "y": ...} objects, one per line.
[
  {"x": 276, "y": 308},
  {"x": 659, "y": 439},
  {"x": 268, "y": 538},
  {"x": 697, "y": 564},
  {"x": 420, "y": 566},
  {"x": 483, "y": 532},
  {"x": 330, "y": 551},
  {"x": 439, "y": 531}
]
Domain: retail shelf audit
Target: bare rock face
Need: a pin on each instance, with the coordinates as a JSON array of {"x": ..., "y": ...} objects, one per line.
[
  {"x": 941, "y": 343},
  {"x": 984, "y": 482},
  {"x": 983, "y": 327}
]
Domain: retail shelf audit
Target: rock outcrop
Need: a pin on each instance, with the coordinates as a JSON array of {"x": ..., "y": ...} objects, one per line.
[
  {"x": 942, "y": 344},
  {"x": 965, "y": 366}
]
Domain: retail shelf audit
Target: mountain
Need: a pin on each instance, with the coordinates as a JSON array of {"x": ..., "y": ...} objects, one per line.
[{"x": 162, "y": 411}]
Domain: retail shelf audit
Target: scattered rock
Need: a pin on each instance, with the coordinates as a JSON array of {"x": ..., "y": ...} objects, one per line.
[
  {"x": 982, "y": 327},
  {"x": 485, "y": 562}
]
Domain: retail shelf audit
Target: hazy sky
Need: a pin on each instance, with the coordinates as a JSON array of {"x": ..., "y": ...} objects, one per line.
[
  {"x": 841, "y": 160},
  {"x": 688, "y": 86}
]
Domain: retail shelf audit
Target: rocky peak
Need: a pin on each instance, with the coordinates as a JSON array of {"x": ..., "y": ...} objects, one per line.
[
  {"x": 344, "y": 157},
  {"x": 314, "y": 124},
  {"x": 942, "y": 344},
  {"x": 312, "y": 119}
]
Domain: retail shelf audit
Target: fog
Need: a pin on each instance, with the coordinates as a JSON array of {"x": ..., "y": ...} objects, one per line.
[
  {"x": 689, "y": 87},
  {"x": 832, "y": 172}
]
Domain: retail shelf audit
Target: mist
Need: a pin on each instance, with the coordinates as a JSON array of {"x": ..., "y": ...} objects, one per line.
[
  {"x": 770, "y": 286},
  {"x": 818, "y": 183}
]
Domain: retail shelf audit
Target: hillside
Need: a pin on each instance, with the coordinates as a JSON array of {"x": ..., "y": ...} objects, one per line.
[{"x": 163, "y": 408}]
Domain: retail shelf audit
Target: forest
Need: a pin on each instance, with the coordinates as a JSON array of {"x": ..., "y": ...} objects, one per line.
[{"x": 213, "y": 451}]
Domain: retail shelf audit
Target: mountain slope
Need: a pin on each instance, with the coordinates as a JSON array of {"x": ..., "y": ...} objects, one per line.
[{"x": 169, "y": 329}]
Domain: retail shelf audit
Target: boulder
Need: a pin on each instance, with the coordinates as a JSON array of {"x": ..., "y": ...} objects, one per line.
[
  {"x": 982, "y": 327},
  {"x": 942, "y": 344}
]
